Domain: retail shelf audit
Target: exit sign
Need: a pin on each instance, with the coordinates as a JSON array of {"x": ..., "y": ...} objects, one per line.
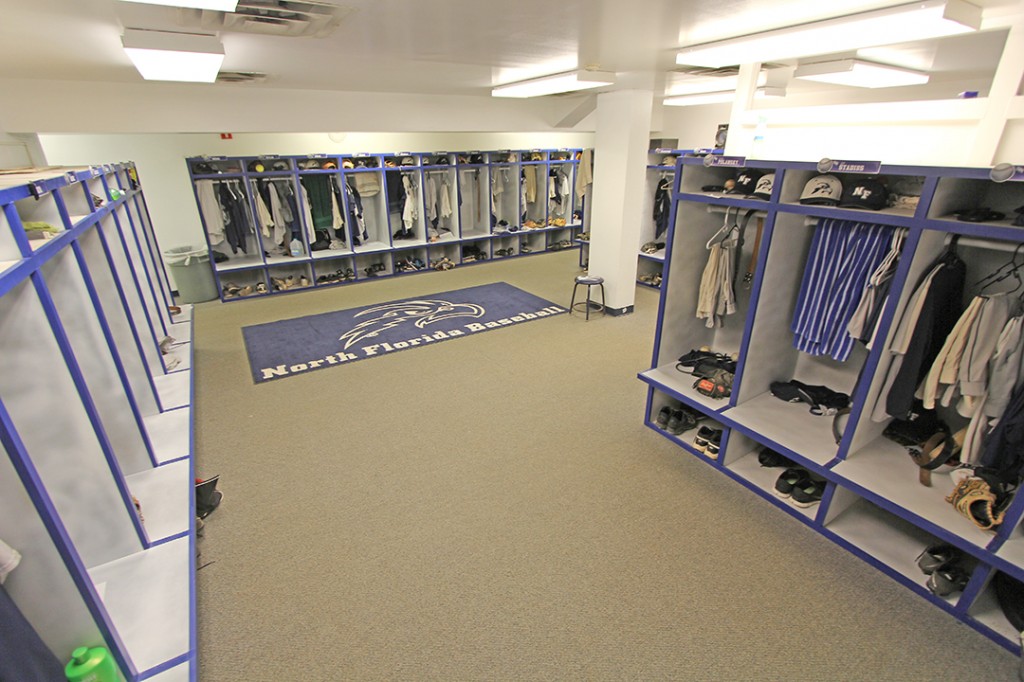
[{"x": 227, "y": 136}]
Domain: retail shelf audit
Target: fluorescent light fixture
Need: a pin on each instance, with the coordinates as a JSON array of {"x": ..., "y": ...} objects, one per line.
[
  {"x": 900, "y": 24},
  {"x": 859, "y": 74},
  {"x": 559, "y": 82},
  {"x": 698, "y": 86},
  {"x": 218, "y": 5},
  {"x": 719, "y": 97},
  {"x": 166, "y": 56}
]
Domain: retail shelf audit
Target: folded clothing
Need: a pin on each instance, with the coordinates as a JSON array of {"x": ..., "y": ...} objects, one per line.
[{"x": 822, "y": 399}]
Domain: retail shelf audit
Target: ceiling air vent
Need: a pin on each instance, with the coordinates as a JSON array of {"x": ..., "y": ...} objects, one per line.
[
  {"x": 241, "y": 77},
  {"x": 298, "y": 18}
]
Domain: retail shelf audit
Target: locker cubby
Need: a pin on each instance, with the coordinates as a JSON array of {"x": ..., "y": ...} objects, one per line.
[
  {"x": 410, "y": 260},
  {"x": 987, "y": 612},
  {"x": 560, "y": 179},
  {"x": 957, "y": 194},
  {"x": 505, "y": 195},
  {"x": 401, "y": 159},
  {"x": 475, "y": 251},
  {"x": 274, "y": 240},
  {"x": 244, "y": 283},
  {"x": 10, "y": 254},
  {"x": 443, "y": 180},
  {"x": 532, "y": 242},
  {"x": 44, "y": 212},
  {"x": 97, "y": 194},
  {"x": 697, "y": 177},
  {"x": 649, "y": 272},
  {"x": 77, "y": 202},
  {"x": 290, "y": 277},
  {"x": 369, "y": 185},
  {"x": 771, "y": 355},
  {"x": 536, "y": 211},
  {"x": 559, "y": 239},
  {"x": 505, "y": 247},
  {"x": 740, "y": 458},
  {"x": 268, "y": 165},
  {"x": 884, "y": 469},
  {"x": 415, "y": 231},
  {"x": 1012, "y": 550},
  {"x": 902, "y": 184},
  {"x": 437, "y": 253},
  {"x": 372, "y": 265},
  {"x": 334, "y": 271},
  {"x": 474, "y": 190},
  {"x": 204, "y": 166},
  {"x": 885, "y": 537}
]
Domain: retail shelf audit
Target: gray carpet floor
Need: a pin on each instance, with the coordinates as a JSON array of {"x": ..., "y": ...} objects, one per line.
[{"x": 492, "y": 508}]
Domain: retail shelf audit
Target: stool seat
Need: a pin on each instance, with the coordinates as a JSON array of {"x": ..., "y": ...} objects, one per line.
[{"x": 588, "y": 281}]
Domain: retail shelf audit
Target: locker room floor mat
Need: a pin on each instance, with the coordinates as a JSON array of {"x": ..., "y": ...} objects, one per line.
[{"x": 306, "y": 344}]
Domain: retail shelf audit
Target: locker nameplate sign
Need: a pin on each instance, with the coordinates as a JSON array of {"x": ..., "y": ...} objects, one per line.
[
  {"x": 713, "y": 161},
  {"x": 827, "y": 165},
  {"x": 703, "y": 151},
  {"x": 1007, "y": 172},
  {"x": 665, "y": 150}
]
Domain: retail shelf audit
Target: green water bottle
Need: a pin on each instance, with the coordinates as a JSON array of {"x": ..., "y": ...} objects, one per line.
[{"x": 91, "y": 665}]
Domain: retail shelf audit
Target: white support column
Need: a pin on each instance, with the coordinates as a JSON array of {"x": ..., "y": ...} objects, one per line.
[
  {"x": 620, "y": 164},
  {"x": 1005, "y": 83}
]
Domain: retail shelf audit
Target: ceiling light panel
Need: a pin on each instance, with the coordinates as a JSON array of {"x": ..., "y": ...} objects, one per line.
[
  {"x": 554, "y": 84},
  {"x": 719, "y": 97},
  {"x": 860, "y": 74},
  {"x": 903, "y": 23},
  {"x": 217, "y": 5},
  {"x": 166, "y": 56}
]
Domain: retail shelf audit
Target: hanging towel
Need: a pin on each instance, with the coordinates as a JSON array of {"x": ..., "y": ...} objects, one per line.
[
  {"x": 584, "y": 172},
  {"x": 9, "y": 560}
]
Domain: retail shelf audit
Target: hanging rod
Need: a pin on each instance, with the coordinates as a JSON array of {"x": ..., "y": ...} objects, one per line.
[{"x": 990, "y": 244}]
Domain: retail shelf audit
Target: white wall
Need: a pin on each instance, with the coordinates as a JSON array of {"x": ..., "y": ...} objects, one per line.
[
  {"x": 64, "y": 107},
  {"x": 160, "y": 159}
]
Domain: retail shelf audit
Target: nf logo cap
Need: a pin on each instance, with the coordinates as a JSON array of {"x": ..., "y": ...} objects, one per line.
[
  {"x": 763, "y": 188},
  {"x": 822, "y": 190},
  {"x": 746, "y": 182},
  {"x": 869, "y": 194}
]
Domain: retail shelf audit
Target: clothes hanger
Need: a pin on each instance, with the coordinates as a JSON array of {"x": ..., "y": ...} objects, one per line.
[
  {"x": 726, "y": 230},
  {"x": 1010, "y": 269}
]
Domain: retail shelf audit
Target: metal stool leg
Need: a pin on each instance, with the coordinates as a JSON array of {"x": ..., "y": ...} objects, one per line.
[
  {"x": 572, "y": 302},
  {"x": 588, "y": 303},
  {"x": 603, "y": 309}
]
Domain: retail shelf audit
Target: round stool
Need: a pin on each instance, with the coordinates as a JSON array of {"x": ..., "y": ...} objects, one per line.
[{"x": 588, "y": 281}]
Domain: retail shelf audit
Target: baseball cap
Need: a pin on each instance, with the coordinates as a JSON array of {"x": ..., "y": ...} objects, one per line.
[
  {"x": 746, "y": 182},
  {"x": 408, "y": 161},
  {"x": 329, "y": 165},
  {"x": 256, "y": 167},
  {"x": 669, "y": 160},
  {"x": 822, "y": 190},
  {"x": 281, "y": 166},
  {"x": 347, "y": 163},
  {"x": 867, "y": 194},
  {"x": 763, "y": 188}
]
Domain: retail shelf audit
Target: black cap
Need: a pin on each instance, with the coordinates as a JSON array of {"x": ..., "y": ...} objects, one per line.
[
  {"x": 868, "y": 194},
  {"x": 746, "y": 182}
]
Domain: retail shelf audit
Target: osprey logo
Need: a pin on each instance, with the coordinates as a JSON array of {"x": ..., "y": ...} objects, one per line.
[
  {"x": 822, "y": 188},
  {"x": 419, "y": 313},
  {"x": 764, "y": 186}
]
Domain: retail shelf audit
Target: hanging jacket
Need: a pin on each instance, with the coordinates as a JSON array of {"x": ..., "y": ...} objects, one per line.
[
  {"x": 662, "y": 206},
  {"x": 355, "y": 212},
  {"x": 213, "y": 214}
]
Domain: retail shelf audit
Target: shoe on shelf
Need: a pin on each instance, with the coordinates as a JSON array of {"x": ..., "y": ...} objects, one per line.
[
  {"x": 714, "y": 443},
  {"x": 704, "y": 436},
  {"x": 936, "y": 556},
  {"x": 947, "y": 580},
  {"x": 769, "y": 458},
  {"x": 664, "y": 414},
  {"x": 789, "y": 479},
  {"x": 809, "y": 493}
]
